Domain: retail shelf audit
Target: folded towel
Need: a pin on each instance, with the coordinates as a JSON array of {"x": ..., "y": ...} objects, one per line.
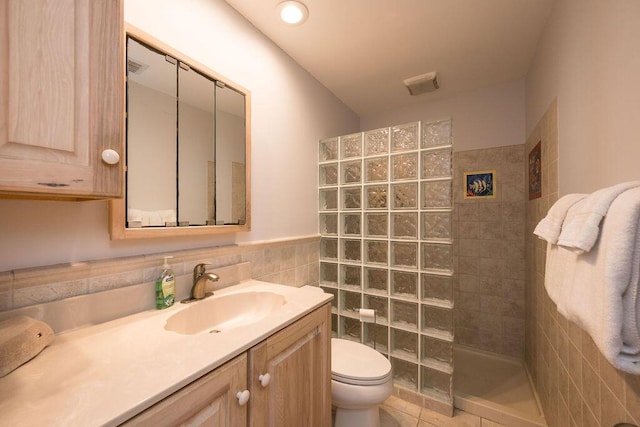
[
  {"x": 581, "y": 226},
  {"x": 549, "y": 228},
  {"x": 598, "y": 290},
  {"x": 21, "y": 339}
]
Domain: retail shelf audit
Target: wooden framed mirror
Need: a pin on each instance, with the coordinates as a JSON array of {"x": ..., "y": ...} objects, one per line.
[{"x": 188, "y": 147}]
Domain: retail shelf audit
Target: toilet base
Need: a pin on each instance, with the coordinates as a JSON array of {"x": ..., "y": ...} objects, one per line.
[{"x": 364, "y": 417}]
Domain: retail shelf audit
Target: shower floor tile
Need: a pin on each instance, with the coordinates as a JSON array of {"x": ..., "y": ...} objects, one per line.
[{"x": 495, "y": 387}]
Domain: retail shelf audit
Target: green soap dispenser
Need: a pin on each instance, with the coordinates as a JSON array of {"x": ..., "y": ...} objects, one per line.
[{"x": 165, "y": 287}]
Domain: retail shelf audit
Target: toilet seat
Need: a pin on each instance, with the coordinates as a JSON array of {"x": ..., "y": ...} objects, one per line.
[{"x": 358, "y": 364}]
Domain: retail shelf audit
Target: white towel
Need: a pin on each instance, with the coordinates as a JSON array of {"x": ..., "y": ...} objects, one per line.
[
  {"x": 598, "y": 290},
  {"x": 581, "y": 226},
  {"x": 549, "y": 228}
]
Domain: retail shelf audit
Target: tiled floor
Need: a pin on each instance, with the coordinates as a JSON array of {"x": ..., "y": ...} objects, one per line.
[{"x": 395, "y": 412}]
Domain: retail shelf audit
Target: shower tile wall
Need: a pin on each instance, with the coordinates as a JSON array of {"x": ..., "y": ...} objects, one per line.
[
  {"x": 576, "y": 384},
  {"x": 386, "y": 224},
  {"x": 489, "y": 242}
]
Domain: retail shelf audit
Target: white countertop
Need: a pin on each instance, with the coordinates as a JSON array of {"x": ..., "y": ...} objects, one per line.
[{"x": 105, "y": 374}]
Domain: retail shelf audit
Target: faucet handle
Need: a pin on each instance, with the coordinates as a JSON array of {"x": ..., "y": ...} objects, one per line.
[{"x": 199, "y": 269}]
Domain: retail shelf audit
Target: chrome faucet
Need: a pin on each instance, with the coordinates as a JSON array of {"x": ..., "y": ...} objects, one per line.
[{"x": 200, "y": 278}]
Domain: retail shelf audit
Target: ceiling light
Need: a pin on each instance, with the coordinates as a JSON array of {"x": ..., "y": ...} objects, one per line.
[{"x": 293, "y": 12}]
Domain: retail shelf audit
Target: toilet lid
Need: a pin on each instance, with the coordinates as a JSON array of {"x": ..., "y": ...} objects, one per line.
[{"x": 355, "y": 363}]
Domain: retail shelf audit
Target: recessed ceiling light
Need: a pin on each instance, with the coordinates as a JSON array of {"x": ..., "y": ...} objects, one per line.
[{"x": 293, "y": 12}]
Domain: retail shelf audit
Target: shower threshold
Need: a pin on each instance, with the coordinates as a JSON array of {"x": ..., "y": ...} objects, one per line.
[{"x": 495, "y": 387}]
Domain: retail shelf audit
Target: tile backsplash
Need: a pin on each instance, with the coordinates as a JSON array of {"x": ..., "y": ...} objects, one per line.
[{"x": 291, "y": 262}]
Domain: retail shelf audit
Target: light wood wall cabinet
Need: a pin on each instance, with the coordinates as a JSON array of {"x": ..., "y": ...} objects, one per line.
[
  {"x": 61, "y": 98},
  {"x": 290, "y": 375}
]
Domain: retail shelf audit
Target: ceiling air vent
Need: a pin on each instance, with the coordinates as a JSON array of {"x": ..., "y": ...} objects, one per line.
[
  {"x": 135, "y": 67},
  {"x": 423, "y": 83}
]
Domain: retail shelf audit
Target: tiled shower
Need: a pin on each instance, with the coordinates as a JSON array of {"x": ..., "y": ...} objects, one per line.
[{"x": 386, "y": 218}]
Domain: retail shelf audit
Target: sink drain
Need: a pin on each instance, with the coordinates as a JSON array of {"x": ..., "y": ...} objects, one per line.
[{"x": 215, "y": 331}]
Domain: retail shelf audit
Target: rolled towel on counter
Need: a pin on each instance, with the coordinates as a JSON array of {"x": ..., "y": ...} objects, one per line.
[{"x": 21, "y": 339}]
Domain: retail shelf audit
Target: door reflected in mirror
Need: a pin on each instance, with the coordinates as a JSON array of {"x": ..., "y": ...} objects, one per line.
[{"x": 187, "y": 146}]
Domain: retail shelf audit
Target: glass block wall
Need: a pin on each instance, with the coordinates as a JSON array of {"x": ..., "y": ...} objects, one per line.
[{"x": 385, "y": 220}]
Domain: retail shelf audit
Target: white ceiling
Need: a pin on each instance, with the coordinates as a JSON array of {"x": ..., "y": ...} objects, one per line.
[{"x": 362, "y": 50}]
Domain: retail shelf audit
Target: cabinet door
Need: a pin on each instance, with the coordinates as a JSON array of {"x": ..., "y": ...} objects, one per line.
[
  {"x": 209, "y": 401},
  {"x": 298, "y": 362},
  {"x": 61, "y": 97}
]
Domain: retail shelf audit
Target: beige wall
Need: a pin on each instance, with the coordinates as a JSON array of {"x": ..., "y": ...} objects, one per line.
[
  {"x": 489, "y": 244},
  {"x": 291, "y": 111},
  {"x": 588, "y": 58}
]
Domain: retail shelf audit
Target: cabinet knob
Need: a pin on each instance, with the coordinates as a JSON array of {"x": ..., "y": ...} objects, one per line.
[
  {"x": 264, "y": 379},
  {"x": 110, "y": 156},
  {"x": 243, "y": 397}
]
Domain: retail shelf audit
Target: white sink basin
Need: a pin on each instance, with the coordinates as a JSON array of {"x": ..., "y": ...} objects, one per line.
[{"x": 224, "y": 312}]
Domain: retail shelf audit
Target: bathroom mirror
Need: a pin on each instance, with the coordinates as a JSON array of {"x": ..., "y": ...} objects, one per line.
[{"x": 187, "y": 147}]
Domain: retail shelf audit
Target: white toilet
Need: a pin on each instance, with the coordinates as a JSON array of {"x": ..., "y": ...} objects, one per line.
[{"x": 360, "y": 380}]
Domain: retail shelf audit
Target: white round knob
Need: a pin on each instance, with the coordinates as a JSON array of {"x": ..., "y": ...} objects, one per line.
[
  {"x": 264, "y": 379},
  {"x": 110, "y": 156},
  {"x": 243, "y": 397}
]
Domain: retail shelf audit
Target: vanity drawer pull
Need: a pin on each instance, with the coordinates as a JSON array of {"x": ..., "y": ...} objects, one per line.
[
  {"x": 264, "y": 379},
  {"x": 243, "y": 397}
]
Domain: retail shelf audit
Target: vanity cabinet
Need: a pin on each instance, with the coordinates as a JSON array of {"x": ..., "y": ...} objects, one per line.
[
  {"x": 61, "y": 98},
  {"x": 297, "y": 391},
  {"x": 209, "y": 401}
]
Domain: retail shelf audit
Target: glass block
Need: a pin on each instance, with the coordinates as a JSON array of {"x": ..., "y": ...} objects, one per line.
[
  {"x": 436, "y": 194},
  {"x": 375, "y": 252},
  {"x": 435, "y": 134},
  {"x": 350, "y": 329},
  {"x": 437, "y": 257},
  {"x": 435, "y": 383},
  {"x": 376, "y": 142},
  {"x": 329, "y": 273},
  {"x": 375, "y": 281},
  {"x": 329, "y": 249},
  {"x": 376, "y": 196},
  {"x": 350, "y": 302},
  {"x": 334, "y": 326},
  {"x": 404, "y": 225},
  {"x": 334, "y": 301},
  {"x": 405, "y": 196},
  {"x": 404, "y": 254},
  {"x": 351, "y": 145},
  {"x": 376, "y": 224},
  {"x": 351, "y": 198},
  {"x": 329, "y": 149},
  {"x": 352, "y": 172},
  {"x": 376, "y": 336},
  {"x": 404, "y": 166},
  {"x": 405, "y": 373},
  {"x": 436, "y": 164},
  {"x": 405, "y": 137},
  {"x": 404, "y": 344},
  {"x": 437, "y": 321},
  {"x": 379, "y": 304},
  {"x": 329, "y": 224},
  {"x": 404, "y": 284},
  {"x": 351, "y": 224},
  {"x": 438, "y": 288},
  {"x": 351, "y": 277},
  {"x": 436, "y": 226},
  {"x": 376, "y": 169},
  {"x": 351, "y": 250},
  {"x": 329, "y": 174},
  {"x": 438, "y": 351},
  {"x": 405, "y": 315},
  {"x": 329, "y": 200}
]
